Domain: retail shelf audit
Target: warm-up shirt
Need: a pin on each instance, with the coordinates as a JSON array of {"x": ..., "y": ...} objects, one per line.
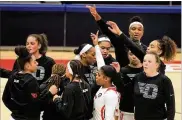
[
  {"x": 106, "y": 104},
  {"x": 74, "y": 103},
  {"x": 49, "y": 108},
  {"x": 127, "y": 101},
  {"x": 151, "y": 94},
  {"x": 44, "y": 68},
  {"x": 21, "y": 97}
]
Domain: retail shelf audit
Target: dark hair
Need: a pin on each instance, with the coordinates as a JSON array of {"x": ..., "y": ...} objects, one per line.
[
  {"x": 42, "y": 39},
  {"x": 136, "y": 19},
  {"x": 77, "y": 68},
  {"x": 77, "y": 51},
  {"x": 23, "y": 56},
  {"x": 168, "y": 47},
  {"x": 109, "y": 71},
  {"x": 100, "y": 36}
]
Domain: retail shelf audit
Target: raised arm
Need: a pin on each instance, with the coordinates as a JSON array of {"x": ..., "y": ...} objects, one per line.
[
  {"x": 128, "y": 42},
  {"x": 103, "y": 26},
  {"x": 99, "y": 57},
  {"x": 120, "y": 49}
]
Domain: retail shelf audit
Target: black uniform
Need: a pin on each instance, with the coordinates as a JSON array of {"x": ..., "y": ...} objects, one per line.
[
  {"x": 120, "y": 50},
  {"x": 75, "y": 101},
  {"x": 127, "y": 100},
  {"x": 44, "y": 69},
  {"x": 50, "y": 112},
  {"x": 108, "y": 60},
  {"x": 150, "y": 96},
  {"x": 138, "y": 51},
  {"x": 4, "y": 73},
  {"x": 90, "y": 78},
  {"x": 21, "y": 97}
]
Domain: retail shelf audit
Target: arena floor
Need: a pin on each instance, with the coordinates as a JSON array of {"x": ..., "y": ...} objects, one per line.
[{"x": 6, "y": 55}]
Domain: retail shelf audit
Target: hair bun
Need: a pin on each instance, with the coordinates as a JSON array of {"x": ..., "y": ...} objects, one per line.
[
  {"x": 76, "y": 52},
  {"x": 43, "y": 35},
  {"x": 22, "y": 51},
  {"x": 166, "y": 38},
  {"x": 136, "y": 19}
]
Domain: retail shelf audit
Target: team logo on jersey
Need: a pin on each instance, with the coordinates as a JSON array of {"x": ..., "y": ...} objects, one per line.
[
  {"x": 34, "y": 95},
  {"x": 40, "y": 73},
  {"x": 91, "y": 78},
  {"x": 99, "y": 95},
  {"x": 131, "y": 76},
  {"x": 149, "y": 90}
]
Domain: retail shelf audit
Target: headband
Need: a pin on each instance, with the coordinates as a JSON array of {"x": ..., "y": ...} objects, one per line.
[
  {"x": 69, "y": 68},
  {"x": 104, "y": 39},
  {"x": 84, "y": 49},
  {"x": 136, "y": 23}
]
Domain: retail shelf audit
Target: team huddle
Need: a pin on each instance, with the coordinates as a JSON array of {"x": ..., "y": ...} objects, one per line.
[{"x": 93, "y": 85}]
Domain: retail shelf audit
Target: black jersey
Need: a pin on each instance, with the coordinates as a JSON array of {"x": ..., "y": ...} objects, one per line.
[
  {"x": 75, "y": 101},
  {"x": 127, "y": 101},
  {"x": 150, "y": 96},
  {"x": 44, "y": 68},
  {"x": 49, "y": 108},
  {"x": 108, "y": 60},
  {"x": 21, "y": 97},
  {"x": 90, "y": 78}
]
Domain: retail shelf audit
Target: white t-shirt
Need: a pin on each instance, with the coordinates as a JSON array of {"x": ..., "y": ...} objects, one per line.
[{"x": 106, "y": 104}]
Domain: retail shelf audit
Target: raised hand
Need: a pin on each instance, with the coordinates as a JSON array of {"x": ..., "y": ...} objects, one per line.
[
  {"x": 94, "y": 38},
  {"x": 116, "y": 66},
  {"x": 94, "y": 12},
  {"x": 114, "y": 28}
]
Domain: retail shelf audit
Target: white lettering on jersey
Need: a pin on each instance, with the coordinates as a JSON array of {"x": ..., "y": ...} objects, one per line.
[
  {"x": 40, "y": 73},
  {"x": 149, "y": 90}
]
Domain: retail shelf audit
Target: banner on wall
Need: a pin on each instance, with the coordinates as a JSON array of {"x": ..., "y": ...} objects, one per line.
[{"x": 173, "y": 67}]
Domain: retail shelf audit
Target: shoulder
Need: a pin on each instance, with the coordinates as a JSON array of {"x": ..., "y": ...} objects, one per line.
[
  {"x": 71, "y": 86},
  {"x": 112, "y": 58},
  {"x": 165, "y": 78},
  {"x": 45, "y": 60},
  {"x": 49, "y": 59},
  {"x": 30, "y": 78},
  {"x": 140, "y": 76},
  {"x": 111, "y": 94},
  {"x": 125, "y": 69}
]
